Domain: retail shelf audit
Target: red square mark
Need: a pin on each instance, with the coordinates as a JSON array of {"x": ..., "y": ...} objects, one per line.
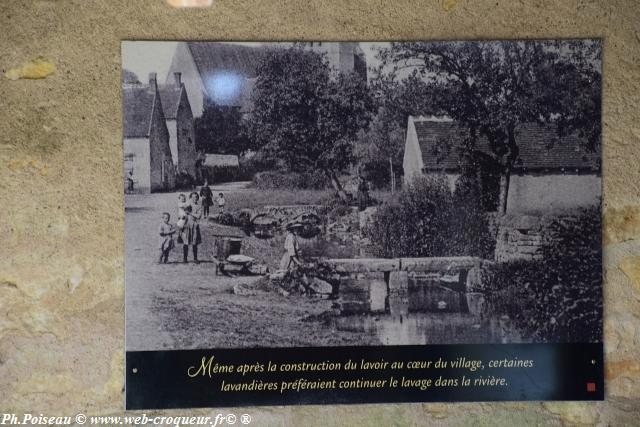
[{"x": 591, "y": 387}]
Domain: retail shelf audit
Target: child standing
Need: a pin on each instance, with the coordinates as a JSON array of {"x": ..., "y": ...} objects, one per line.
[
  {"x": 221, "y": 202},
  {"x": 189, "y": 235},
  {"x": 166, "y": 238},
  {"x": 196, "y": 206},
  {"x": 207, "y": 198},
  {"x": 182, "y": 203}
]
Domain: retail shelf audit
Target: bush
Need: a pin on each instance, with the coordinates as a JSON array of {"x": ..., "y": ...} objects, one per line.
[
  {"x": 427, "y": 221},
  {"x": 316, "y": 180},
  {"x": 275, "y": 180},
  {"x": 258, "y": 162},
  {"x": 557, "y": 299},
  {"x": 470, "y": 221}
]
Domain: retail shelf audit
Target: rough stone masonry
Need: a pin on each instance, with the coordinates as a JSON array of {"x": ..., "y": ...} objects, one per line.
[{"x": 61, "y": 280}]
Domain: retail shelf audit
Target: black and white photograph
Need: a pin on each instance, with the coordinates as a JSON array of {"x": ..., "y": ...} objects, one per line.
[{"x": 322, "y": 194}]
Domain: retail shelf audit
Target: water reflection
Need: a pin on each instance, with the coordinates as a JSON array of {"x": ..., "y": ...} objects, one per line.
[
  {"x": 431, "y": 309},
  {"x": 431, "y": 328}
]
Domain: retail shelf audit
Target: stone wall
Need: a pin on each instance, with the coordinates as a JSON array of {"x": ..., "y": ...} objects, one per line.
[
  {"x": 62, "y": 283},
  {"x": 520, "y": 239},
  {"x": 287, "y": 213},
  {"x": 363, "y": 292}
]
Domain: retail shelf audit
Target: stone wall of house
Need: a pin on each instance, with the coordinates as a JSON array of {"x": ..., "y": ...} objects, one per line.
[
  {"x": 62, "y": 332},
  {"x": 162, "y": 172},
  {"x": 185, "y": 138},
  {"x": 557, "y": 191}
]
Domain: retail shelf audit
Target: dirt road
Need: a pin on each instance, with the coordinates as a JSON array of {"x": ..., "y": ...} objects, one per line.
[{"x": 186, "y": 306}]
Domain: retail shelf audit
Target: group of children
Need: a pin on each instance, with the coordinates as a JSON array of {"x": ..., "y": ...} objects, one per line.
[
  {"x": 207, "y": 199},
  {"x": 187, "y": 227}
]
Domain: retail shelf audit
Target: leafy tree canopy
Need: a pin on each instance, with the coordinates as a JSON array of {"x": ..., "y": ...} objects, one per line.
[
  {"x": 493, "y": 87},
  {"x": 220, "y": 130},
  {"x": 380, "y": 147},
  {"x": 129, "y": 77},
  {"x": 306, "y": 114}
]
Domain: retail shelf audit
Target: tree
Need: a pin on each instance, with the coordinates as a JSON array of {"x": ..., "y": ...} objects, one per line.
[
  {"x": 305, "y": 115},
  {"x": 380, "y": 147},
  {"x": 220, "y": 130},
  {"x": 129, "y": 77},
  {"x": 494, "y": 87},
  {"x": 406, "y": 96}
]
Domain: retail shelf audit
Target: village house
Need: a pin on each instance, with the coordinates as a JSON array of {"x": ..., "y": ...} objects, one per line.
[
  {"x": 344, "y": 57},
  {"x": 148, "y": 164},
  {"x": 179, "y": 120},
  {"x": 220, "y": 167},
  {"x": 550, "y": 172},
  {"x": 225, "y": 73}
]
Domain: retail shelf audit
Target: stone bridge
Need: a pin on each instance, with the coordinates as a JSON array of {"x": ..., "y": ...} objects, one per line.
[{"x": 402, "y": 285}]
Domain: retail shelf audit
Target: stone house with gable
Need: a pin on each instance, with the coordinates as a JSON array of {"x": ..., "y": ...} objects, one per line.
[
  {"x": 220, "y": 72},
  {"x": 147, "y": 153},
  {"x": 179, "y": 121},
  {"x": 343, "y": 57},
  {"x": 550, "y": 173},
  {"x": 226, "y": 73}
]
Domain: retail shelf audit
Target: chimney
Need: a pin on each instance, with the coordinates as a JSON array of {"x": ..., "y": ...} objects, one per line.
[
  {"x": 153, "y": 82},
  {"x": 178, "y": 79}
]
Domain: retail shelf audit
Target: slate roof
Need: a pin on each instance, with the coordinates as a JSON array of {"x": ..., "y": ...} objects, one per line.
[
  {"x": 215, "y": 59},
  {"x": 211, "y": 58},
  {"x": 221, "y": 160},
  {"x": 170, "y": 98},
  {"x": 137, "y": 104},
  {"x": 540, "y": 148}
]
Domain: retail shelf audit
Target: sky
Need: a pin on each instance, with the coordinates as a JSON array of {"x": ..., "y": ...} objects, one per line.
[
  {"x": 144, "y": 57},
  {"x": 148, "y": 57}
]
